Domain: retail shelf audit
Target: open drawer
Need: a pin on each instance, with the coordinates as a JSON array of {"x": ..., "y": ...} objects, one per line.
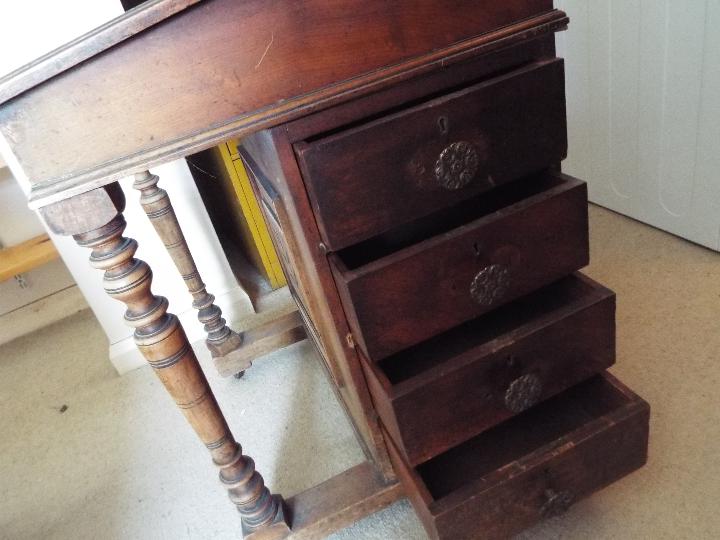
[
  {"x": 533, "y": 466},
  {"x": 420, "y": 280},
  {"x": 444, "y": 391},
  {"x": 436, "y": 153}
]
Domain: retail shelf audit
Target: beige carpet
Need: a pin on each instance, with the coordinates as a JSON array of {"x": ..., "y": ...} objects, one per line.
[{"x": 119, "y": 462}]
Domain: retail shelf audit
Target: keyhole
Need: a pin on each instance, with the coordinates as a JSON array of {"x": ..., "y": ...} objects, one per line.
[
  {"x": 476, "y": 248},
  {"x": 443, "y": 124}
]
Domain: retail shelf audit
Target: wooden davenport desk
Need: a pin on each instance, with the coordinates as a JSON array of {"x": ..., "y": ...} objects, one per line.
[{"x": 407, "y": 155}]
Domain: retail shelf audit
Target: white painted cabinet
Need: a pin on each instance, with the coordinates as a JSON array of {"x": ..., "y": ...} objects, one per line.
[{"x": 643, "y": 84}]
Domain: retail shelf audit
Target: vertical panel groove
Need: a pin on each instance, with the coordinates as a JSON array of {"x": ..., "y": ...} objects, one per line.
[
  {"x": 638, "y": 108},
  {"x": 701, "y": 95},
  {"x": 661, "y": 168}
]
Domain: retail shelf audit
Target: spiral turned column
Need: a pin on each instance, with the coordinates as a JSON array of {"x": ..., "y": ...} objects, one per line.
[
  {"x": 162, "y": 341},
  {"x": 222, "y": 342}
]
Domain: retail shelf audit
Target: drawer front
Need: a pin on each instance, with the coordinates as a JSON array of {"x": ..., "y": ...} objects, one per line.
[
  {"x": 503, "y": 483},
  {"x": 435, "y": 154},
  {"x": 420, "y": 291},
  {"x": 510, "y": 360}
]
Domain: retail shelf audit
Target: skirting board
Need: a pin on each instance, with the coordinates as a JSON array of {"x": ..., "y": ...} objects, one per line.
[
  {"x": 237, "y": 310},
  {"x": 41, "y": 313}
]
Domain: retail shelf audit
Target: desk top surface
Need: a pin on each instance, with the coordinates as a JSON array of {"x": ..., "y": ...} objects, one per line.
[{"x": 177, "y": 76}]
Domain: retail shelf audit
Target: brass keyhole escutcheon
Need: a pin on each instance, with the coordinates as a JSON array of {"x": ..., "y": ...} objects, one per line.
[
  {"x": 557, "y": 503},
  {"x": 523, "y": 393},
  {"x": 490, "y": 284},
  {"x": 457, "y": 165}
]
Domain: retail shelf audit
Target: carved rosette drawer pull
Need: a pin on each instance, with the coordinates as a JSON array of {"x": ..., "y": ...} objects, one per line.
[
  {"x": 490, "y": 284},
  {"x": 556, "y": 503},
  {"x": 457, "y": 165},
  {"x": 523, "y": 393}
]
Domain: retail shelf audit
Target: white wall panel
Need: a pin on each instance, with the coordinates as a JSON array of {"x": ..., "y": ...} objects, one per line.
[{"x": 643, "y": 83}]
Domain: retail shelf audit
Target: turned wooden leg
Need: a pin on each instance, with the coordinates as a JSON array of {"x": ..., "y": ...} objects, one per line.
[
  {"x": 221, "y": 340},
  {"x": 95, "y": 220}
]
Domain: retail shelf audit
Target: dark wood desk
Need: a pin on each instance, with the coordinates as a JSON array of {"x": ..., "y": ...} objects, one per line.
[{"x": 175, "y": 77}]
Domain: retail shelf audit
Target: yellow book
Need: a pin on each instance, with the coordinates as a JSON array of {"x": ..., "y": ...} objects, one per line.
[{"x": 253, "y": 229}]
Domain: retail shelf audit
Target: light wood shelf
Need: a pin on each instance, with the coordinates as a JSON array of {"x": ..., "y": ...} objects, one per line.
[{"x": 26, "y": 256}]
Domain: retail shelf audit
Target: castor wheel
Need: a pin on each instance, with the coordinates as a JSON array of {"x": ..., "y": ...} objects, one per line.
[{"x": 239, "y": 374}]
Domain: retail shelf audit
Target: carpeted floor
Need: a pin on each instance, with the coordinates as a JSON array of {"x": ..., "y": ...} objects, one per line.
[{"x": 119, "y": 461}]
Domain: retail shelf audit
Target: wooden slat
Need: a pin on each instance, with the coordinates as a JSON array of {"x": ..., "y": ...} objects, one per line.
[
  {"x": 261, "y": 341},
  {"x": 26, "y": 256},
  {"x": 339, "y": 502}
]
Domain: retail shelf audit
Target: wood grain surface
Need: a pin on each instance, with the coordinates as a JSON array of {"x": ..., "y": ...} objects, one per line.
[
  {"x": 223, "y": 68},
  {"x": 407, "y": 287},
  {"x": 26, "y": 256},
  {"x": 445, "y": 391},
  {"x": 532, "y": 467},
  {"x": 339, "y": 502},
  {"x": 94, "y": 42},
  {"x": 394, "y": 158}
]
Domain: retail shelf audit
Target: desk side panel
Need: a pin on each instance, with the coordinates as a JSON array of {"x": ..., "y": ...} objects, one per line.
[{"x": 308, "y": 271}]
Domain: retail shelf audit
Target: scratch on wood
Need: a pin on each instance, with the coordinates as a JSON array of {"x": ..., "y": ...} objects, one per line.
[{"x": 272, "y": 38}]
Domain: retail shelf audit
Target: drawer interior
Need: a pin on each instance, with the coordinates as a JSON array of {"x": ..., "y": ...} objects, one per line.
[
  {"x": 548, "y": 425},
  {"x": 486, "y": 204},
  {"x": 423, "y": 281},
  {"x": 431, "y": 355}
]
